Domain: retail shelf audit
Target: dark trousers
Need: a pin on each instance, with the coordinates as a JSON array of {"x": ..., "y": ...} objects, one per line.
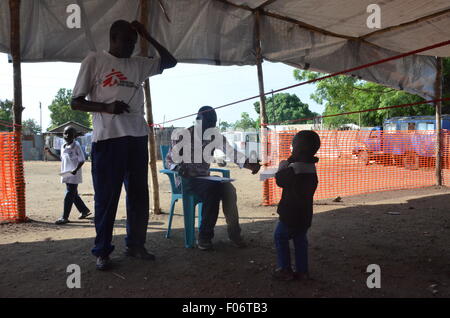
[
  {"x": 115, "y": 162},
  {"x": 71, "y": 198},
  {"x": 211, "y": 193},
  {"x": 300, "y": 240}
]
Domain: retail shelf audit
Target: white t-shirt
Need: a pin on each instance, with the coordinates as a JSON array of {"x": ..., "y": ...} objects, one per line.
[
  {"x": 105, "y": 78},
  {"x": 71, "y": 156}
]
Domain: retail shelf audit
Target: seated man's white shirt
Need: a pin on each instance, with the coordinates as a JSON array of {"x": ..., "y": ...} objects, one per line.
[
  {"x": 71, "y": 156},
  {"x": 105, "y": 78}
]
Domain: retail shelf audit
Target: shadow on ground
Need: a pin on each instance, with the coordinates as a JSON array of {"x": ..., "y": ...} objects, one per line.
[{"x": 412, "y": 247}]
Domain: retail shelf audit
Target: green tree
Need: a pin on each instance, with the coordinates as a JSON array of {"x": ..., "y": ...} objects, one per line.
[
  {"x": 31, "y": 127},
  {"x": 286, "y": 107},
  {"x": 60, "y": 111},
  {"x": 224, "y": 125},
  {"x": 246, "y": 122},
  {"x": 343, "y": 93},
  {"x": 6, "y": 115}
]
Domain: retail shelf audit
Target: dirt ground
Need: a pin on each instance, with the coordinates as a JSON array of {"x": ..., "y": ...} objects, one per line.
[{"x": 411, "y": 246}]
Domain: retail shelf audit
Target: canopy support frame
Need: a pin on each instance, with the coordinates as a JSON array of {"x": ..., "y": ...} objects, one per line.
[
  {"x": 14, "y": 8},
  {"x": 438, "y": 110},
  {"x": 262, "y": 102},
  {"x": 155, "y": 200}
]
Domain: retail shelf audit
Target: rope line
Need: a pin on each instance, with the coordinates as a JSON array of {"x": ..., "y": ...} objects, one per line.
[
  {"x": 427, "y": 48},
  {"x": 364, "y": 111}
]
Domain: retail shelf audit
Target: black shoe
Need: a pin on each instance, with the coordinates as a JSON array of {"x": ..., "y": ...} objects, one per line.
[
  {"x": 103, "y": 263},
  {"x": 139, "y": 252},
  {"x": 283, "y": 274},
  {"x": 61, "y": 221},
  {"x": 239, "y": 243},
  {"x": 302, "y": 276},
  {"x": 204, "y": 244},
  {"x": 84, "y": 215}
]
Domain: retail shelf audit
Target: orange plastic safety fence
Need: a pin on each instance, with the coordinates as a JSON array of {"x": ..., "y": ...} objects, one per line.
[
  {"x": 357, "y": 162},
  {"x": 12, "y": 185}
]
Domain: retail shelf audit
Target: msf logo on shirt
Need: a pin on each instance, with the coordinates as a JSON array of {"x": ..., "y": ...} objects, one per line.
[{"x": 114, "y": 78}]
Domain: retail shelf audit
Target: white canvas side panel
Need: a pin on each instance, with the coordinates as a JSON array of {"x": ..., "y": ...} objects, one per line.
[
  {"x": 309, "y": 50},
  {"x": 416, "y": 36},
  {"x": 349, "y": 17},
  {"x": 45, "y": 35},
  {"x": 4, "y": 26},
  {"x": 205, "y": 31}
]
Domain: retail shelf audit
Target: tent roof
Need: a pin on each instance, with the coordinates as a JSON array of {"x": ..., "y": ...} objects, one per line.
[
  {"x": 406, "y": 24},
  {"x": 322, "y": 35}
]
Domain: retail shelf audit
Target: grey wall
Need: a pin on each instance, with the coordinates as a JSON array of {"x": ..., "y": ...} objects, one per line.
[{"x": 33, "y": 149}]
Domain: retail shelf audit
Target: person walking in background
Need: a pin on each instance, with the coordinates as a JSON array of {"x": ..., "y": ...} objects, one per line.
[{"x": 72, "y": 159}]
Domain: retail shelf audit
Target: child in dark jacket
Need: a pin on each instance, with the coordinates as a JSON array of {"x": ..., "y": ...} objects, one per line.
[{"x": 298, "y": 178}]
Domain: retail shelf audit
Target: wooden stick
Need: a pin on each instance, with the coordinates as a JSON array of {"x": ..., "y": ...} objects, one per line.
[
  {"x": 438, "y": 107},
  {"x": 155, "y": 202},
  {"x": 14, "y": 8},
  {"x": 16, "y": 59},
  {"x": 259, "y": 59},
  {"x": 262, "y": 103}
]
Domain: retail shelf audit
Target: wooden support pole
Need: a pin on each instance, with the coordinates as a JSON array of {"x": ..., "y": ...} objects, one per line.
[
  {"x": 438, "y": 107},
  {"x": 262, "y": 105},
  {"x": 259, "y": 59},
  {"x": 14, "y": 9},
  {"x": 155, "y": 202}
]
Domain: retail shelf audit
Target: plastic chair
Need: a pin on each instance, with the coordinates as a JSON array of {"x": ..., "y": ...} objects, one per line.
[{"x": 190, "y": 201}]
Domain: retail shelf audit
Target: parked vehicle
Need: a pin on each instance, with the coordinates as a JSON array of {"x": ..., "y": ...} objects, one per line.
[
  {"x": 220, "y": 158},
  {"x": 246, "y": 142},
  {"x": 403, "y": 141}
]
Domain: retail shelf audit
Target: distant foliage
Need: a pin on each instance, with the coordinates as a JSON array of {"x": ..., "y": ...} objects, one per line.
[
  {"x": 31, "y": 127},
  {"x": 6, "y": 114},
  {"x": 245, "y": 123},
  {"x": 60, "y": 111},
  {"x": 341, "y": 94},
  {"x": 286, "y": 107}
]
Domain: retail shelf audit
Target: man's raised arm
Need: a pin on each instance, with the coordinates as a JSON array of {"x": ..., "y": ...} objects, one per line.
[{"x": 167, "y": 59}]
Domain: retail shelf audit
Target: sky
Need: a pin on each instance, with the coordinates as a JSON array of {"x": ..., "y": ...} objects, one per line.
[{"x": 179, "y": 91}]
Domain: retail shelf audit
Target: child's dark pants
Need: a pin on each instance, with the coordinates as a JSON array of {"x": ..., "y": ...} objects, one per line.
[
  {"x": 71, "y": 198},
  {"x": 283, "y": 252},
  {"x": 115, "y": 162}
]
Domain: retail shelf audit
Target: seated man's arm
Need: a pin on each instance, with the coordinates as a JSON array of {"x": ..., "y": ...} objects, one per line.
[
  {"x": 169, "y": 160},
  {"x": 238, "y": 157},
  {"x": 170, "y": 157}
]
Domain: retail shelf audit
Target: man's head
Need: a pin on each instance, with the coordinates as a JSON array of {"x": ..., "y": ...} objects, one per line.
[
  {"x": 122, "y": 39},
  {"x": 69, "y": 134},
  {"x": 208, "y": 116},
  {"x": 305, "y": 144}
]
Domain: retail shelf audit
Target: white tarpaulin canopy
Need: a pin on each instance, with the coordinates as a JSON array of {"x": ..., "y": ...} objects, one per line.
[{"x": 322, "y": 35}]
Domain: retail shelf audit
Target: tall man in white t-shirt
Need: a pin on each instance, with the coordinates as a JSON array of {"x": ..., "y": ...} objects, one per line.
[{"x": 109, "y": 85}]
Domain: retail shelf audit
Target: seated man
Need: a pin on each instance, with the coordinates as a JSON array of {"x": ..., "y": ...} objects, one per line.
[{"x": 191, "y": 156}]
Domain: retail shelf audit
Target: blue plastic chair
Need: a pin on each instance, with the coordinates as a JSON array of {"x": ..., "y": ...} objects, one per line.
[{"x": 190, "y": 201}]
